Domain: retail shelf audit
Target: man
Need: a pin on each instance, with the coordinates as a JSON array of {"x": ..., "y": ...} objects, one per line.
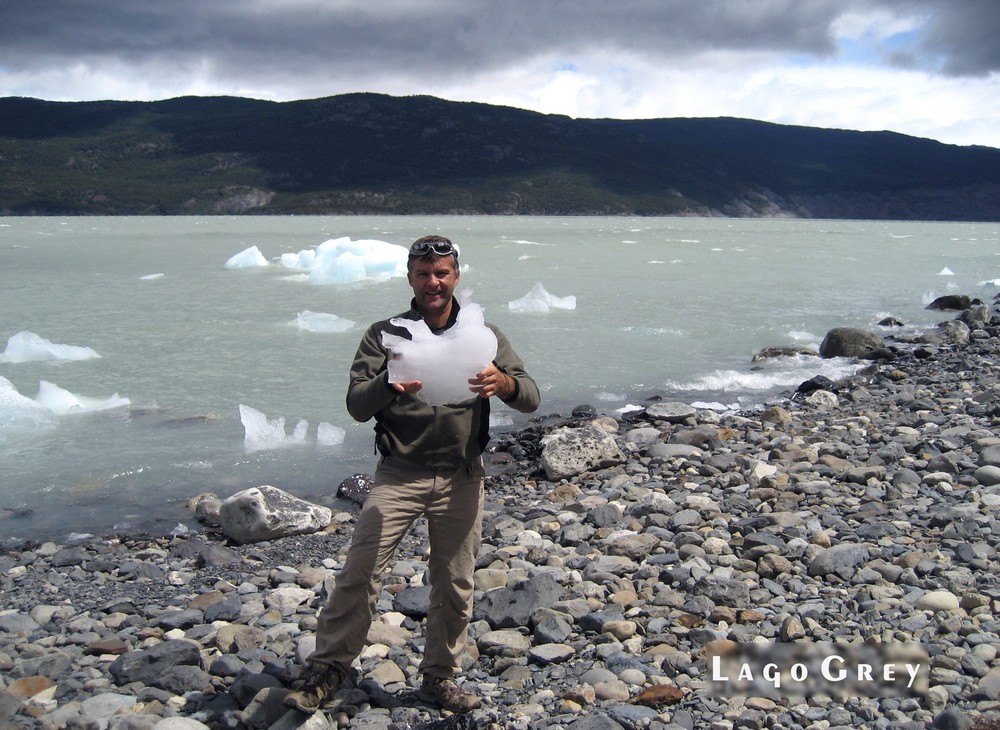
[{"x": 431, "y": 465}]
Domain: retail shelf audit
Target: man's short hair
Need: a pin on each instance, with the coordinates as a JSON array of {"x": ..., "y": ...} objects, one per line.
[{"x": 428, "y": 248}]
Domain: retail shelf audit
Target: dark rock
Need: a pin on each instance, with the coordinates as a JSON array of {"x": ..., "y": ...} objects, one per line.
[
  {"x": 955, "y": 302},
  {"x": 849, "y": 342},
  {"x": 356, "y": 488}
]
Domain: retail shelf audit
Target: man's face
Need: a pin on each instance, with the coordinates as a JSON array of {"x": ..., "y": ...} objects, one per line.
[{"x": 433, "y": 282}]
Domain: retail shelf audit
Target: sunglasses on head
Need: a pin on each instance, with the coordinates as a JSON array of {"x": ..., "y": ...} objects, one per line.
[{"x": 438, "y": 248}]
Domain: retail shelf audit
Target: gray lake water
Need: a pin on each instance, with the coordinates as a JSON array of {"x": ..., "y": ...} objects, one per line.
[{"x": 664, "y": 306}]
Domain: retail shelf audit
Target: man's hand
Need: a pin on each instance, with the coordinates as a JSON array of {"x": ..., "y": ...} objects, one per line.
[
  {"x": 491, "y": 382},
  {"x": 411, "y": 386}
]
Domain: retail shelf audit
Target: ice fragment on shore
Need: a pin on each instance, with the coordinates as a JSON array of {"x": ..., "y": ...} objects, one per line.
[
  {"x": 539, "y": 301},
  {"x": 28, "y": 347},
  {"x": 446, "y": 362}
]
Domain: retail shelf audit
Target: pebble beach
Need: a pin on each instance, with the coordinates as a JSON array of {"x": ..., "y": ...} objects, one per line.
[{"x": 857, "y": 512}]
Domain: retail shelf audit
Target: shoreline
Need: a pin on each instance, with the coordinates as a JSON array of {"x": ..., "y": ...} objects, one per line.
[{"x": 865, "y": 512}]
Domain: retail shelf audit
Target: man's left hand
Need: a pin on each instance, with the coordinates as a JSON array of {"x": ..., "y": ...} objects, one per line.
[{"x": 491, "y": 382}]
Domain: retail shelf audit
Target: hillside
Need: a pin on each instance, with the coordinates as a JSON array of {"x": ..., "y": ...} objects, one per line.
[{"x": 369, "y": 153}]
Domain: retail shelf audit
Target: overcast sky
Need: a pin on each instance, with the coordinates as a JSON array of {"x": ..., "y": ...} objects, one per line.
[{"x": 928, "y": 68}]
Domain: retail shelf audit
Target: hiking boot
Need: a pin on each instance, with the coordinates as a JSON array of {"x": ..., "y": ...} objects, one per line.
[
  {"x": 318, "y": 690},
  {"x": 444, "y": 692}
]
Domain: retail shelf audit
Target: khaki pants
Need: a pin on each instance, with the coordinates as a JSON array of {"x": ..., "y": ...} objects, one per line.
[{"x": 453, "y": 506}]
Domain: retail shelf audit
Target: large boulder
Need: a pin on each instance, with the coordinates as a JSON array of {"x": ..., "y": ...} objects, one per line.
[
  {"x": 267, "y": 513},
  {"x": 976, "y": 316},
  {"x": 957, "y": 302},
  {"x": 849, "y": 342},
  {"x": 571, "y": 451},
  {"x": 952, "y": 332}
]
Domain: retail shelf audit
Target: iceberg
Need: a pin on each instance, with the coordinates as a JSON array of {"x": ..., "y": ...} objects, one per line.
[
  {"x": 345, "y": 261},
  {"x": 63, "y": 403},
  {"x": 29, "y": 347},
  {"x": 322, "y": 322},
  {"x": 443, "y": 363},
  {"x": 18, "y": 412},
  {"x": 946, "y": 272},
  {"x": 246, "y": 259},
  {"x": 539, "y": 301}
]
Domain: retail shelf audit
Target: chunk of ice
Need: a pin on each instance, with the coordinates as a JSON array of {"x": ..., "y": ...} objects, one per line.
[
  {"x": 18, "y": 412},
  {"x": 322, "y": 322},
  {"x": 246, "y": 259},
  {"x": 539, "y": 301},
  {"x": 29, "y": 347},
  {"x": 329, "y": 435},
  {"x": 63, "y": 403},
  {"x": 261, "y": 433},
  {"x": 443, "y": 363},
  {"x": 343, "y": 261}
]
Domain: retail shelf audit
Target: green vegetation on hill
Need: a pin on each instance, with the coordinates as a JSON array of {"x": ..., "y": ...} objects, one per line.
[{"x": 369, "y": 153}]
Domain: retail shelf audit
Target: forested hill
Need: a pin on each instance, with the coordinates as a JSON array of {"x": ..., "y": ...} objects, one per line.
[{"x": 369, "y": 153}]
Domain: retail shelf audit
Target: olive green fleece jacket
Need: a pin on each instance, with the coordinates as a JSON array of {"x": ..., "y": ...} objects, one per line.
[{"x": 436, "y": 437}]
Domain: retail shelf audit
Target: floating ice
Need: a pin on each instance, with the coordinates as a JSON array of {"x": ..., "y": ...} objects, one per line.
[
  {"x": 993, "y": 283},
  {"x": 29, "y": 347},
  {"x": 343, "y": 261},
  {"x": 628, "y": 408},
  {"x": 261, "y": 434},
  {"x": 18, "y": 412},
  {"x": 329, "y": 435},
  {"x": 63, "y": 403},
  {"x": 322, "y": 322},
  {"x": 150, "y": 277},
  {"x": 246, "y": 259},
  {"x": 443, "y": 363},
  {"x": 946, "y": 272},
  {"x": 539, "y": 301}
]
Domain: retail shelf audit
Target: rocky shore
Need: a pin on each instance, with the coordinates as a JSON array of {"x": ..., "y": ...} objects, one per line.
[{"x": 862, "y": 512}]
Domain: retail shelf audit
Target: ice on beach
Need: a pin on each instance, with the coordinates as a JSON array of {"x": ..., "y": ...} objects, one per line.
[
  {"x": 329, "y": 435},
  {"x": 246, "y": 259},
  {"x": 344, "y": 261},
  {"x": 946, "y": 272},
  {"x": 539, "y": 301},
  {"x": 261, "y": 433},
  {"x": 443, "y": 363},
  {"x": 20, "y": 413},
  {"x": 29, "y": 347},
  {"x": 322, "y": 322},
  {"x": 628, "y": 408},
  {"x": 63, "y": 403}
]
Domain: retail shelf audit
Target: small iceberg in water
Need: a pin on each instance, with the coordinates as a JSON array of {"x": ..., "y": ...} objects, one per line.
[
  {"x": 343, "y": 261},
  {"x": 246, "y": 259},
  {"x": 29, "y": 347},
  {"x": 322, "y": 322},
  {"x": 539, "y": 301},
  {"x": 946, "y": 272},
  {"x": 63, "y": 403},
  {"x": 261, "y": 433}
]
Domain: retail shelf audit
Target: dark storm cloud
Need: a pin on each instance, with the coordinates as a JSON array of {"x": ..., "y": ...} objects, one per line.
[{"x": 440, "y": 39}]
